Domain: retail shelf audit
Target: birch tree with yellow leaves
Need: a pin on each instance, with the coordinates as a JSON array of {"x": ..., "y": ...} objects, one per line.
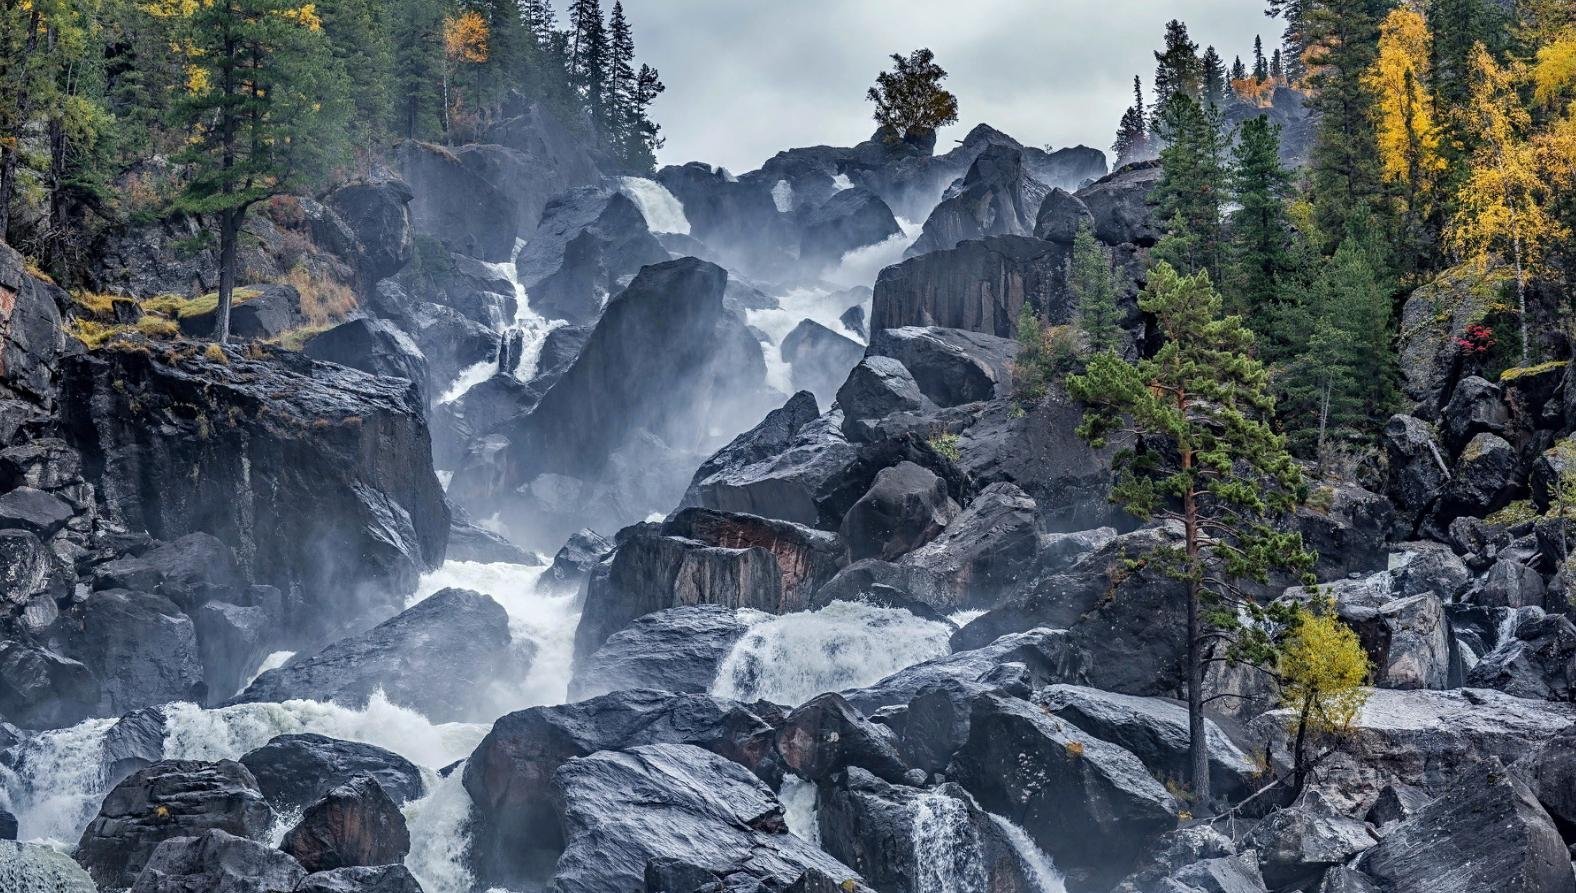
[{"x": 1408, "y": 135}]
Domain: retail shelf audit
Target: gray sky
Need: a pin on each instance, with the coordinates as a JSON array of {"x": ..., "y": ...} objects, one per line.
[{"x": 747, "y": 78}]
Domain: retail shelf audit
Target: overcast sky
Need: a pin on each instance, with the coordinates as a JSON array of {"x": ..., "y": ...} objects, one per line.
[{"x": 747, "y": 78}]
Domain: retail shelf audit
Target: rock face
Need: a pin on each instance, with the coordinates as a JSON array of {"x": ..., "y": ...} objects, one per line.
[
  {"x": 380, "y": 879},
  {"x": 455, "y": 204},
  {"x": 674, "y": 650},
  {"x": 140, "y": 646},
  {"x": 850, "y": 219},
  {"x": 220, "y": 862},
  {"x": 1538, "y": 661},
  {"x": 588, "y": 243},
  {"x": 997, "y": 197},
  {"x": 1296, "y": 846},
  {"x": 356, "y": 824},
  {"x": 951, "y": 366},
  {"x": 319, "y": 477},
  {"x": 678, "y": 803},
  {"x": 985, "y": 551},
  {"x": 442, "y": 657},
  {"x": 373, "y": 346},
  {"x": 1120, "y": 206},
  {"x": 377, "y": 215},
  {"x": 827, "y": 735},
  {"x": 979, "y": 285},
  {"x": 295, "y": 771},
  {"x": 1432, "y": 318},
  {"x": 905, "y": 508},
  {"x": 29, "y": 867},
  {"x": 819, "y": 358},
  {"x": 170, "y": 799},
  {"x": 509, "y": 776},
  {"x": 1487, "y": 833},
  {"x": 1407, "y": 637}
]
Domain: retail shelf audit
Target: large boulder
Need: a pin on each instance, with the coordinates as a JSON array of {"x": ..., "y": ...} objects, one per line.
[
  {"x": 678, "y": 650},
  {"x": 1550, "y": 773},
  {"x": 247, "y": 445},
  {"x": 1348, "y": 527},
  {"x": 233, "y": 640},
  {"x": 997, "y": 197},
  {"x": 1035, "y": 657},
  {"x": 31, "y": 337},
  {"x": 29, "y": 867},
  {"x": 850, "y": 219},
  {"x": 216, "y": 861},
  {"x": 1121, "y": 207},
  {"x": 818, "y": 358},
  {"x": 34, "y": 511},
  {"x": 1537, "y": 661},
  {"x": 1419, "y": 468},
  {"x": 979, "y": 285},
  {"x": 295, "y": 771},
  {"x": 517, "y": 837},
  {"x": 736, "y": 218},
  {"x": 378, "y": 215},
  {"x": 355, "y": 824},
  {"x": 455, "y": 204},
  {"x": 1060, "y": 217},
  {"x": 1433, "y": 318},
  {"x": 188, "y": 571},
  {"x": 375, "y": 879},
  {"x": 170, "y": 799},
  {"x": 573, "y": 563},
  {"x": 987, "y": 550},
  {"x": 1486, "y": 833},
  {"x": 1485, "y": 478},
  {"x": 906, "y": 507},
  {"x": 260, "y": 312},
  {"x": 876, "y": 388},
  {"x": 1476, "y": 405},
  {"x": 547, "y": 157},
  {"x": 447, "y": 657},
  {"x": 1407, "y": 637},
  {"x": 589, "y": 242},
  {"x": 141, "y": 647},
  {"x": 1088, "y": 803},
  {"x": 621, "y": 810},
  {"x": 1298, "y": 844},
  {"x": 42, "y": 688},
  {"x": 373, "y": 346},
  {"x": 827, "y": 735},
  {"x": 951, "y": 366}
]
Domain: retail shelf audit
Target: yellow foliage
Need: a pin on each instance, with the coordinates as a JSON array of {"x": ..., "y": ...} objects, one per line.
[
  {"x": 1408, "y": 137},
  {"x": 1555, "y": 70},
  {"x": 1255, "y": 92},
  {"x": 1323, "y": 669},
  {"x": 305, "y": 15},
  {"x": 465, "y": 37},
  {"x": 196, "y": 79}
]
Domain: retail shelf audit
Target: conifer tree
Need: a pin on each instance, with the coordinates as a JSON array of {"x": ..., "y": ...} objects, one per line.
[
  {"x": 419, "y": 69},
  {"x": 1277, "y": 67},
  {"x": 1239, "y": 72},
  {"x": 1093, "y": 289},
  {"x": 1132, "y": 136},
  {"x": 1408, "y": 134},
  {"x": 1261, "y": 66},
  {"x": 1261, "y": 260},
  {"x": 590, "y": 54},
  {"x": 1208, "y": 461},
  {"x": 1455, "y": 27},
  {"x": 363, "y": 52},
  {"x": 1342, "y": 37},
  {"x": 1192, "y": 183},
  {"x": 910, "y": 98},
  {"x": 541, "y": 22},
  {"x": 1214, "y": 90},
  {"x": 647, "y": 135},
  {"x": 1178, "y": 69},
  {"x": 621, "y": 86}
]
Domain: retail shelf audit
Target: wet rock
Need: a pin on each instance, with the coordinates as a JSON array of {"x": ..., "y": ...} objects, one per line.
[
  {"x": 141, "y": 647},
  {"x": 232, "y": 641},
  {"x": 1175, "y": 851},
  {"x": 1296, "y": 845},
  {"x": 517, "y": 837},
  {"x": 1090, "y": 804},
  {"x": 43, "y": 463},
  {"x": 997, "y": 197},
  {"x": 35, "y": 511},
  {"x": 170, "y": 799},
  {"x": 1476, "y": 406},
  {"x": 588, "y": 242},
  {"x": 26, "y": 566},
  {"x": 1396, "y": 803},
  {"x": 1550, "y": 773},
  {"x": 443, "y": 657},
  {"x": 1419, "y": 469},
  {"x": 1348, "y": 527},
  {"x": 1347, "y": 880},
  {"x": 1487, "y": 832},
  {"x": 41, "y": 688},
  {"x": 188, "y": 571},
  {"x": 677, "y": 650},
  {"x": 876, "y": 388},
  {"x": 820, "y": 358},
  {"x": 1040, "y": 652},
  {"x": 987, "y": 550},
  {"x": 373, "y": 346},
  {"x": 1539, "y": 661},
  {"x": 1154, "y": 730},
  {"x": 220, "y": 862},
  {"x": 951, "y": 366},
  {"x": 736, "y": 218},
  {"x": 1120, "y": 205},
  {"x": 28, "y": 867},
  {"x": 1429, "y": 567},
  {"x": 378, "y": 879},
  {"x": 259, "y": 312},
  {"x": 1407, "y": 637},
  {"x": 455, "y": 204},
  {"x": 1227, "y": 874},
  {"x": 853, "y": 319},
  {"x": 827, "y": 735},
  {"x": 1060, "y": 216},
  {"x": 850, "y": 219},
  {"x": 296, "y": 771},
  {"x": 468, "y": 542},
  {"x": 8, "y": 826},
  {"x": 906, "y": 507},
  {"x": 621, "y": 810},
  {"x": 378, "y": 216},
  {"x": 31, "y": 337},
  {"x": 1485, "y": 478},
  {"x": 573, "y": 563},
  {"x": 979, "y": 285},
  {"x": 1510, "y": 584},
  {"x": 355, "y": 824}
]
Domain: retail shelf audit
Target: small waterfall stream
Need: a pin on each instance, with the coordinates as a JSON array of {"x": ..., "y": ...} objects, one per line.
[{"x": 519, "y": 342}]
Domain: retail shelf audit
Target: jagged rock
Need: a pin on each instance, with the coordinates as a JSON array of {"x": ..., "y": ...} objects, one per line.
[
  {"x": 451, "y": 342},
  {"x": 44, "y": 463},
  {"x": 1550, "y": 773},
  {"x": 1510, "y": 584},
  {"x": 805, "y": 558},
  {"x": 1347, "y": 880},
  {"x": 589, "y": 240},
  {"x": 1155, "y": 731},
  {"x": 951, "y": 366},
  {"x": 232, "y": 641},
  {"x": 902, "y": 838},
  {"x": 373, "y": 346},
  {"x": 26, "y": 566},
  {"x": 819, "y": 358},
  {"x": 1407, "y": 637},
  {"x": 997, "y": 197},
  {"x": 517, "y": 837},
  {"x": 1429, "y": 740},
  {"x": 674, "y": 650},
  {"x": 344, "y": 455},
  {"x": 188, "y": 571},
  {"x": 875, "y": 389},
  {"x": 1348, "y": 527},
  {"x": 1476, "y": 406},
  {"x": 1396, "y": 803},
  {"x": 827, "y": 735},
  {"x": 1429, "y": 567},
  {"x": 1296, "y": 845},
  {"x": 736, "y": 218},
  {"x": 1090, "y": 804},
  {"x": 853, "y": 319},
  {"x": 378, "y": 216},
  {"x": 979, "y": 285},
  {"x": 468, "y": 542},
  {"x": 1040, "y": 653},
  {"x": 1485, "y": 833},
  {"x": 8, "y": 828},
  {"x": 35, "y": 511},
  {"x": 41, "y": 688},
  {"x": 987, "y": 550},
  {"x": 1485, "y": 478},
  {"x": 1539, "y": 661},
  {"x": 141, "y": 647},
  {"x": 1419, "y": 470},
  {"x": 1175, "y": 851},
  {"x": 445, "y": 657},
  {"x": 573, "y": 563},
  {"x": 170, "y": 799},
  {"x": 31, "y": 337},
  {"x": 30, "y": 867},
  {"x": 295, "y": 771},
  {"x": 1432, "y": 319},
  {"x": 219, "y": 862},
  {"x": 621, "y": 810},
  {"x": 354, "y": 824},
  {"x": 1227, "y": 874},
  {"x": 906, "y": 507},
  {"x": 1060, "y": 216},
  {"x": 548, "y": 157},
  {"x": 455, "y": 204},
  {"x": 135, "y": 741},
  {"x": 363, "y": 879},
  {"x": 1120, "y": 205},
  {"x": 850, "y": 219}
]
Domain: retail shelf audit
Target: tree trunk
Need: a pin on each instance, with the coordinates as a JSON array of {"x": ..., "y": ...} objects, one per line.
[
  {"x": 1521, "y": 303},
  {"x": 1198, "y": 748},
  {"x": 1300, "y": 750},
  {"x": 1324, "y": 421},
  {"x": 229, "y": 230},
  {"x": 7, "y": 187}
]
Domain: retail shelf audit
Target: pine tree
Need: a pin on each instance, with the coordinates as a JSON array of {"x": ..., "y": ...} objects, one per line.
[
  {"x": 509, "y": 52},
  {"x": 1190, "y": 191},
  {"x": 1277, "y": 67},
  {"x": 1132, "y": 135},
  {"x": 1214, "y": 90},
  {"x": 910, "y": 98},
  {"x": 364, "y": 55},
  {"x": 1093, "y": 289},
  {"x": 1261, "y": 261},
  {"x": 648, "y": 135},
  {"x": 419, "y": 69},
  {"x": 1343, "y": 42},
  {"x": 621, "y": 86},
  {"x": 1178, "y": 69},
  {"x": 273, "y": 116},
  {"x": 1239, "y": 72},
  {"x": 1455, "y": 28},
  {"x": 1296, "y": 37},
  {"x": 1261, "y": 66},
  {"x": 541, "y": 22},
  {"x": 1209, "y": 462},
  {"x": 590, "y": 54}
]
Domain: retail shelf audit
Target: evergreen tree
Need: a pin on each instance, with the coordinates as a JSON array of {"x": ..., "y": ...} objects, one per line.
[
  {"x": 647, "y": 135},
  {"x": 1455, "y": 28},
  {"x": 509, "y": 54},
  {"x": 910, "y": 98},
  {"x": 1261, "y": 260},
  {"x": 1239, "y": 72},
  {"x": 1277, "y": 67},
  {"x": 271, "y": 111},
  {"x": 1343, "y": 39},
  {"x": 1214, "y": 90},
  {"x": 1093, "y": 289},
  {"x": 1261, "y": 66},
  {"x": 1208, "y": 461},
  {"x": 621, "y": 86},
  {"x": 1178, "y": 69},
  {"x": 419, "y": 69},
  {"x": 364, "y": 57},
  {"x": 1296, "y": 36},
  {"x": 1132, "y": 135},
  {"x": 1408, "y": 135},
  {"x": 1192, "y": 180},
  {"x": 541, "y": 22},
  {"x": 590, "y": 54}
]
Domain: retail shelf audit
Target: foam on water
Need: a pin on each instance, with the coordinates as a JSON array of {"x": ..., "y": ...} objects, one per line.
[
  {"x": 841, "y": 182},
  {"x": 792, "y": 658},
  {"x": 439, "y": 826},
  {"x": 863, "y": 265},
  {"x": 58, "y": 783},
  {"x": 272, "y": 662},
  {"x": 530, "y": 327},
  {"x": 948, "y": 856},
  {"x": 1039, "y": 866},
  {"x": 782, "y": 196},
  {"x": 662, "y": 209}
]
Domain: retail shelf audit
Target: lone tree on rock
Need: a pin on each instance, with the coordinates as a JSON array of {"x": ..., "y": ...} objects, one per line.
[
  {"x": 1205, "y": 458},
  {"x": 910, "y": 98}
]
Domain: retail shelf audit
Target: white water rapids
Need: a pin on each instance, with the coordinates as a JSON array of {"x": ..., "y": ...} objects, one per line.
[{"x": 528, "y": 326}]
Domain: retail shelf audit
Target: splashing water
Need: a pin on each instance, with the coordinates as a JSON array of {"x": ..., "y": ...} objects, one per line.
[
  {"x": 800, "y": 808},
  {"x": 792, "y": 658},
  {"x": 58, "y": 783},
  {"x": 841, "y": 182},
  {"x": 782, "y": 196},
  {"x": 528, "y": 327},
  {"x": 272, "y": 662},
  {"x": 1039, "y": 866},
  {"x": 822, "y": 305},
  {"x": 440, "y": 840},
  {"x": 862, "y": 266},
  {"x": 662, "y": 209},
  {"x": 948, "y": 857}
]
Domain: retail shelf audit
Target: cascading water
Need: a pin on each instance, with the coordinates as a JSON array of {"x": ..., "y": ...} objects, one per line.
[
  {"x": 862, "y": 265},
  {"x": 800, "y": 808},
  {"x": 782, "y": 196},
  {"x": 663, "y": 211},
  {"x": 519, "y": 342},
  {"x": 792, "y": 658},
  {"x": 1035, "y": 863},
  {"x": 841, "y": 182},
  {"x": 948, "y": 855}
]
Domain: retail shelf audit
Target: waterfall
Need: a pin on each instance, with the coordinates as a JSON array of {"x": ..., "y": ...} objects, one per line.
[
  {"x": 663, "y": 211},
  {"x": 1036, "y": 864},
  {"x": 841, "y": 182},
  {"x": 519, "y": 342},
  {"x": 800, "y": 808},
  {"x": 948, "y": 856},
  {"x": 58, "y": 782},
  {"x": 862, "y": 265},
  {"x": 792, "y": 658},
  {"x": 782, "y": 196},
  {"x": 440, "y": 840}
]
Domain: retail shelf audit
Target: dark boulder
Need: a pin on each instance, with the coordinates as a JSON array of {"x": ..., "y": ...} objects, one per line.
[
  {"x": 354, "y": 824},
  {"x": 1419, "y": 469},
  {"x": 1348, "y": 527},
  {"x": 1060, "y": 217},
  {"x": 850, "y": 219},
  {"x": 32, "y": 339},
  {"x": 979, "y": 285},
  {"x": 819, "y": 358},
  {"x": 469, "y": 542},
  {"x": 216, "y": 861},
  {"x": 1298, "y": 844},
  {"x": 233, "y": 641},
  {"x": 736, "y": 218},
  {"x": 876, "y": 388},
  {"x": 170, "y": 799},
  {"x": 621, "y": 810},
  {"x": 1486, "y": 833},
  {"x": 573, "y": 563},
  {"x": 1121, "y": 207},
  {"x": 1407, "y": 637},
  {"x": 1550, "y": 773},
  {"x": 377, "y": 879},
  {"x": 378, "y": 216},
  {"x": 517, "y": 837},
  {"x": 906, "y": 507},
  {"x": 373, "y": 346},
  {"x": 259, "y": 312},
  {"x": 455, "y": 204},
  {"x": 827, "y": 735},
  {"x": 1433, "y": 319},
  {"x": 986, "y": 551},
  {"x": 141, "y": 647},
  {"x": 588, "y": 243},
  {"x": 1509, "y": 584},
  {"x": 1039, "y": 653},
  {"x": 951, "y": 366},
  {"x": 26, "y": 567},
  {"x": 1090, "y": 804},
  {"x": 1486, "y": 477},
  {"x": 35, "y": 511},
  {"x": 42, "y": 688},
  {"x": 1538, "y": 661},
  {"x": 1476, "y": 406},
  {"x": 295, "y": 771},
  {"x": 547, "y": 157},
  {"x": 188, "y": 571},
  {"x": 997, "y": 197},
  {"x": 678, "y": 650}
]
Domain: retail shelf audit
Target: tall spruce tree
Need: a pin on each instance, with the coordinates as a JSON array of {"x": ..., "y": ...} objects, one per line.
[
  {"x": 1261, "y": 264},
  {"x": 1093, "y": 289},
  {"x": 419, "y": 68},
  {"x": 1132, "y": 135},
  {"x": 1214, "y": 89},
  {"x": 1192, "y": 185},
  {"x": 1208, "y": 460},
  {"x": 1261, "y": 66},
  {"x": 1343, "y": 43},
  {"x": 363, "y": 49},
  {"x": 1277, "y": 67},
  {"x": 1239, "y": 72},
  {"x": 1178, "y": 69},
  {"x": 621, "y": 124},
  {"x": 590, "y": 54}
]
